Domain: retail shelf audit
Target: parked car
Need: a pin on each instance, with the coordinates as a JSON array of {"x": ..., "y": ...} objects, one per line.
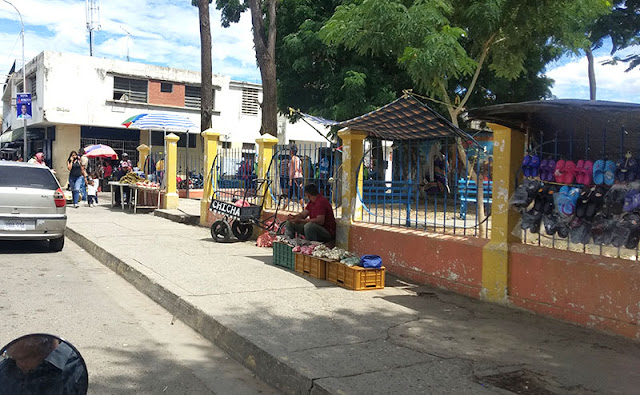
[{"x": 32, "y": 204}]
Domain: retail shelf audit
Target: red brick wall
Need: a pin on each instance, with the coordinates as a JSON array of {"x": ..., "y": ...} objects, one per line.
[
  {"x": 175, "y": 98},
  {"x": 590, "y": 290},
  {"x": 450, "y": 262}
]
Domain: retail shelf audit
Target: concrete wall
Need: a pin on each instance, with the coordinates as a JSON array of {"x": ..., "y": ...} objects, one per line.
[
  {"x": 67, "y": 140},
  {"x": 449, "y": 262},
  {"x": 590, "y": 290}
]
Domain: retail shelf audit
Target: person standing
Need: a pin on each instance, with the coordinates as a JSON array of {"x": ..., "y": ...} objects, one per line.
[
  {"x": 75, "y": 176},
  {"x": 92, "y": 190},
  {"x": 84, "y": 161},
  {"x": 295, "y": 176}
]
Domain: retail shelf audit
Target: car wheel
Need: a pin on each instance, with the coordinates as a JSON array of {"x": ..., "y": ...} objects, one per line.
[{"x": 56, "y": 245}]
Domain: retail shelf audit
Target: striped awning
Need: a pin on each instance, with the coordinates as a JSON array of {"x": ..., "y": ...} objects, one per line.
[
  {"x": 161, "y": 121},
  {"x": 403, "y": 119}
]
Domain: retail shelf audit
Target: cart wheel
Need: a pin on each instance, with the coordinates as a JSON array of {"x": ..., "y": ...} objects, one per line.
[
  {"x": 242, "y": 231},
  {"x": 220, "y": 231}
]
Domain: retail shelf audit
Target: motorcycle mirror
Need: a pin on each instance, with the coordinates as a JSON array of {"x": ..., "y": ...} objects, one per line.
[{"x": 41, "y": 363}]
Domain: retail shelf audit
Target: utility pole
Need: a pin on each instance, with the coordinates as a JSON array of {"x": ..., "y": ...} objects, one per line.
[
  {"x": 93, "y": 20},
  {"x": 128, "y": 40},
  {"x": 24, "y": 82}
]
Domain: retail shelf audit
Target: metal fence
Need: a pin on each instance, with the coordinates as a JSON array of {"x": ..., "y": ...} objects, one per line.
[
  {"x": 190, "y": 169},
  {"x": 318, "y": 163},
  {"x": 428, "y": 185},
  {"x": 235, "y": 172},
  {"x": 592, "y": 231}
]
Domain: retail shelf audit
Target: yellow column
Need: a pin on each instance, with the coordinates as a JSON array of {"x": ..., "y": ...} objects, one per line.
[
  {"x": 352, "y": 151},
  {"x": 143, "y": 151},
  {"x": 211, "y": 140},
  {"x": 508, "y": 152},
  {"x": 265, "y": 153},
  {"x": 171, "y": 199}
]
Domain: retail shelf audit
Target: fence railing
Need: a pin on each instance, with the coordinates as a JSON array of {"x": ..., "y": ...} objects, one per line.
[
  {"x": 426, "y": 185},
  {"x": 296, "y": 165}
]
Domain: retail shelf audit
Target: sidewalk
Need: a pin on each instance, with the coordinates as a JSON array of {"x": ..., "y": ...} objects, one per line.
[
  {"x": 303, "y": 335},
  {"x": 188, "y": 212}
]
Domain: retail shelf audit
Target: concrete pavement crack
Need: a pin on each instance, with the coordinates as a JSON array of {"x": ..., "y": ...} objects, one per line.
[
  {"x": 376, "y": 371},
  {"x": 336, "y": 345}
]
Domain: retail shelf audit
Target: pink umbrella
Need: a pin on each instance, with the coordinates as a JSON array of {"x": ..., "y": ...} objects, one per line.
[{"x": 100, "y": 151}]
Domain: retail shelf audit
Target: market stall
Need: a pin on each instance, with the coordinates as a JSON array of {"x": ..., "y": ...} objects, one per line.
[
  {"x": 581, "y": 170},
  {"x": 143, "y": 194}
]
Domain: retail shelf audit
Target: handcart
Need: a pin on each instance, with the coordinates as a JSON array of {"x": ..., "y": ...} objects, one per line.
[{"x": 242, "y": 209}]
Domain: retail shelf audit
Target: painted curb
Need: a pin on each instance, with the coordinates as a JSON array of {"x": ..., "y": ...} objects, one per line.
[{"x": 265, "y": 366}]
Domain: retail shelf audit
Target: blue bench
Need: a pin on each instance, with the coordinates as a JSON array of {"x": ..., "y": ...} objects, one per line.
[
  {"x": 468, "y": 192},
  {"x": 388, "y": 192}
]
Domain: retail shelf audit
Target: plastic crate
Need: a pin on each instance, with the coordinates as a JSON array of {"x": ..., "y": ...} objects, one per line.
[
  {"x": 283, "y": 256},
  {"x": 312, "y": 266},
  {"x": 355, "y": 277}
]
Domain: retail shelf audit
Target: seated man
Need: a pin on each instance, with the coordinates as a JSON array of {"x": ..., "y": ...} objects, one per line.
[{"x": 316, "y": 222}]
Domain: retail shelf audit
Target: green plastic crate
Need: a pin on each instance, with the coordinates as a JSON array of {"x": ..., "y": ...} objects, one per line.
[{"x": 283, "y": 256}]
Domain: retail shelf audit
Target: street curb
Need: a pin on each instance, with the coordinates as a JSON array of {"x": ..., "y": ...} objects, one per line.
[
  {"x": 180, "y": 218},
  {"x": 265, "y": 366}
]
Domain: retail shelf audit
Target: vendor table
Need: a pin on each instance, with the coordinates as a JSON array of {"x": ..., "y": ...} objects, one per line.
[
  {"x": 114, "y": 185},
  {"x": 144, "y": 191}
]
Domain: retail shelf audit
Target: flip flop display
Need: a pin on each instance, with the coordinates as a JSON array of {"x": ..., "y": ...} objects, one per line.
[
  {"x": 609, "y": 172},
  {"x": 598, "y": 172},
  {"x": 596, "y": 201}
]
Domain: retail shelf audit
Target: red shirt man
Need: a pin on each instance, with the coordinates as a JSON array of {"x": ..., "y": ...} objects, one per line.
[{"x": 316, "y": 222}]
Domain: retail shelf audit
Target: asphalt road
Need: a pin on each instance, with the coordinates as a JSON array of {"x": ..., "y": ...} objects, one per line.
[{"x": 130, "y": 344}]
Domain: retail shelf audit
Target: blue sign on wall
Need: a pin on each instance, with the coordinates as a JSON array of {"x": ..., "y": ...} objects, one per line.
[{"x": 23, "y": 105}]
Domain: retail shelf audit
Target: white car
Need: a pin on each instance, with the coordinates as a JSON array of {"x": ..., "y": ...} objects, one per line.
[{"x": 32, "y": 204}]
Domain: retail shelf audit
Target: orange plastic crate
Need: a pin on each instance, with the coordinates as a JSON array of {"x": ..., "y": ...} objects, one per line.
[
  {"x": 355, "y": 277},
  {"x": 312, "y": 266}
]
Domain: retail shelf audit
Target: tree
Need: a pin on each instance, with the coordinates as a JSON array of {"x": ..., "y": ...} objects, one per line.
[
  {"x": 622, "y": 26},
  {"x": 206, "y": 84},
  {"x": 263, "y": 20},
  {"x": 442, "y": 43},
  {"x": 324, "y": 80}
]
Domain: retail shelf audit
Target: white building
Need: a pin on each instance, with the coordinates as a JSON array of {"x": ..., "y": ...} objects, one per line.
[{"x": 80, "y": 100}]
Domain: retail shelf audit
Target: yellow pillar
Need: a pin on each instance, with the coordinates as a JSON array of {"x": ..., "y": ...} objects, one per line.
[
  {"x": 352, "y": 151},
  {"x": 171, "y": 199},
  {"x": 143, "y": 151},
  {"x": 265, "y": 153},
  {"x": 211, "y": 140},
  {"x": 508, "y": 152}
]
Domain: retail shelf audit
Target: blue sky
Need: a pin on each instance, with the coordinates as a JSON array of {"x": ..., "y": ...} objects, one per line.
[{"x": 166, "y": 32}]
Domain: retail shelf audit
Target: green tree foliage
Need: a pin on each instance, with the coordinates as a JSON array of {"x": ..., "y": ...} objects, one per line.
[
  {"x": 442, "y": 43},
  {"x": 622, "y": 26},
  {"x": 327, "y": 80}
]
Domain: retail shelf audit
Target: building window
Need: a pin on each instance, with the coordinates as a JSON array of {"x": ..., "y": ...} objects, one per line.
[
  {"x": 33, "y": 85},
  {"x": 248, "y": 146},
  {"x": 226, "y": 144},
  {"x": 20, "y": 88},
  {"x": 166, "y": 87},
  {"x": 192, "y": 96},
  {"x": 127, "y": 89},
  {"x": 250, "y": 104},
  {"x": 183, "y": 140}
]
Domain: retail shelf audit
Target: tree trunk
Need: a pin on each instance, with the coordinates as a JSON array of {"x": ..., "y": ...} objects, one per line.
[
  {"x": 592, "y": 74},
  {"x": 206, "y": 92},
  {"x": 264, "y": 38},
  {"x": 269, "y": 99}
]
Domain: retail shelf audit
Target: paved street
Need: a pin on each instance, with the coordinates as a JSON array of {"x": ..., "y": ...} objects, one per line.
[{"x": 130, "y": 344}]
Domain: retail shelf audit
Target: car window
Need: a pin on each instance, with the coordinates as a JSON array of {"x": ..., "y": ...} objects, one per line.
[{"x": 27, "y": 177}]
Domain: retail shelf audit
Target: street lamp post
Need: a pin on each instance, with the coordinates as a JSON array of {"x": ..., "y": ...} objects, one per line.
[{"x": 24, "y": 80}]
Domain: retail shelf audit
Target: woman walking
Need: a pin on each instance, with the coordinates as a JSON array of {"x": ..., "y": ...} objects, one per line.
[{"x": 76, "y": 176}]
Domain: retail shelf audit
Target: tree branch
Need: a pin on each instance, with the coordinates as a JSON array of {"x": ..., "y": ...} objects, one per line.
[{"x": 474, "y": 80}]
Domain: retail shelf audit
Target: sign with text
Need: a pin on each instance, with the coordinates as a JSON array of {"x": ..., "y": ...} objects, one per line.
[{"x": 23, "y": 105}]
